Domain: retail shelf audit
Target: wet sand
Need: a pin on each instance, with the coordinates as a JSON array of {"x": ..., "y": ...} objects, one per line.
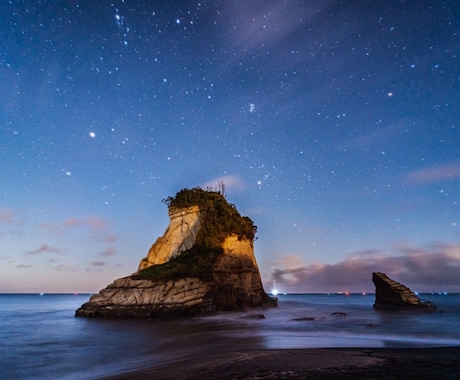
[{"x": 329, "y": 363}]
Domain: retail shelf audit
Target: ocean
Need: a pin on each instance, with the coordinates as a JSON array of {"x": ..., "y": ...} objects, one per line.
[{"x": 41, "y": 338}]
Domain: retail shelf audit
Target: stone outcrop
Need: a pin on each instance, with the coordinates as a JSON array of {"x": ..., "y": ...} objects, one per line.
[
  {"x": 234, "y": 283},
  {"x": 131, "y": 298},
  {"x": 237, "y": 282},
  {"x": 180, "y": 235},
  {"x": 236, "y": 286},
  {"x": 390, "y": 294}
]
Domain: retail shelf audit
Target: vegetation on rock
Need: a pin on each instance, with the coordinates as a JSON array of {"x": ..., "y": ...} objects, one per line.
[
  {"x": 196, "y": 262},
  {"x": 219, "y": 220}
]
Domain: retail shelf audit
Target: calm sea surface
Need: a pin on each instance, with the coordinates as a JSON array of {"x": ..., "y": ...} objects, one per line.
[{"x": 41, "y": 338}]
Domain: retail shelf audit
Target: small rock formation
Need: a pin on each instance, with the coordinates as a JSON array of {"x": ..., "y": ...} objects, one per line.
[
  {"x": 303, "y": 319},
  {"x": 338, "y": 314},
  {"x": 204, "y": 263},
  {"x": 390, "y": 294}
]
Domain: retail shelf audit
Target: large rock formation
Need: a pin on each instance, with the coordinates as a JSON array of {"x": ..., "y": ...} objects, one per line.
[
  {"x": 390, "y": 294},
  {"x": 204, "y": 263}
]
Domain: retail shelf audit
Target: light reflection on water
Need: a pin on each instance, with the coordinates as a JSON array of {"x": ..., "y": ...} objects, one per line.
[{"x": 43, "y": 339}]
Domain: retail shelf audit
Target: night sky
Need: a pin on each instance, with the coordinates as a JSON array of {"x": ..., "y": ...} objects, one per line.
[{"x": 334, "y": 124}]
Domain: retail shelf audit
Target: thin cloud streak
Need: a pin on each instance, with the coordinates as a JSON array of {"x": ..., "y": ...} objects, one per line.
[
  {"x": 7, "y": 216},
  {"x": 110, "y": 251},
  {"x": 98, "y": 263},
  {"x": 23, "y": 266},
  {"x": 434, "y": 174},
  {"x": 45, "y": 248},
  {"x": 95, "y": 223},
  {"x": 111, "y": 238}
]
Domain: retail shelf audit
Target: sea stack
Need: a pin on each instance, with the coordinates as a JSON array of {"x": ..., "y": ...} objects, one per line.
[
  {"x": 204, "y": 263},
  {"x": 391, "y": 295}
]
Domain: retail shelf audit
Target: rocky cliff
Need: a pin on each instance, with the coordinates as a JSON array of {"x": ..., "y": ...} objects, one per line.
[
  {"x": 204, "y": 263},
  {"x": 390, "y": 294},
  {"x": 184, "y": 224}
]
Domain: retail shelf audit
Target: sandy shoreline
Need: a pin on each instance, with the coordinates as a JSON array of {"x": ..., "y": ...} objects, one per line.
[{"x": 327, "y": 363}]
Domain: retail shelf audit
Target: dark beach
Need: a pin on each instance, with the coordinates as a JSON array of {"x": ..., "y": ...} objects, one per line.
[{"x": 328, "y": 363}]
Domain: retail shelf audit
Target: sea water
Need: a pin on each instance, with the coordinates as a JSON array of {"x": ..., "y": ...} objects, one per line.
[{"x": 41, "y": 338}]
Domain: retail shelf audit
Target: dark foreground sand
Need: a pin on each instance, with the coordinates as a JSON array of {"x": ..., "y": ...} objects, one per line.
[{"x": 337, "y": 364}]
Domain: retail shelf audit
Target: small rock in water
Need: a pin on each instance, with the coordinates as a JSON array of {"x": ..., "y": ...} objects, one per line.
[
  {"x": 339, "y": 314},
  {"x": 392, "y": 295},
  {"x": 254, "y": 316},
  {"x": 304, "y": 319}
]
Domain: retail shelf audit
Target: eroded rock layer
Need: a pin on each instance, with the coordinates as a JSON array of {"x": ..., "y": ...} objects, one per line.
[
  {"x": 130, "y": 298},
  {"x": 236, "y": 286},
  {"x": 390, "y": 294},
  {"x": 180, "y": 235}
]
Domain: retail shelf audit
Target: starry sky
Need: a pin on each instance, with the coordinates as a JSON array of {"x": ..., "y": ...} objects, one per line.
[{"x": 335, "y": 126}]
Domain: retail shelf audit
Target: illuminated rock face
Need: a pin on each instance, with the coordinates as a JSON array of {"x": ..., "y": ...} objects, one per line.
[
  {"x": 131, "y": 298},
  {"x": 235, "y": 284},
  {"x": 180, "y": 235},
  {"x": 390, "y": 294}
]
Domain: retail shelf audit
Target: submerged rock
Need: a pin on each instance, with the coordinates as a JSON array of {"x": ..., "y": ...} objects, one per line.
[
  {"x": 338, "y": 314},
  {"x": 254, "y": 316},
  {"x": 303, "y": 319},
  {"x": 204, "y": 263},
  {"x": 390, "y": 294}
]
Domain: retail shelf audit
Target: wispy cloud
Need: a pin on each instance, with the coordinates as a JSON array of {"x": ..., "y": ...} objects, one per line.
[
  {"x": 7, "y": 216},
  {"x": 52, "y": 227},
  {"x": 434, "y": 268},
  {"x": 110, "y": 238},
  {"x": 98, "y": 263},
  {"x": 93, "y": 222},
  {"x": 109, "y": 251},
  {"x": 97, "y": 227},
  {"x": 24, "y": 266},
  {"x": 45, "y": 248},
  {"x": 433, "y": 174},
  {"x": 373, "y": 137},
  {"x": 65, "y": 268}
]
